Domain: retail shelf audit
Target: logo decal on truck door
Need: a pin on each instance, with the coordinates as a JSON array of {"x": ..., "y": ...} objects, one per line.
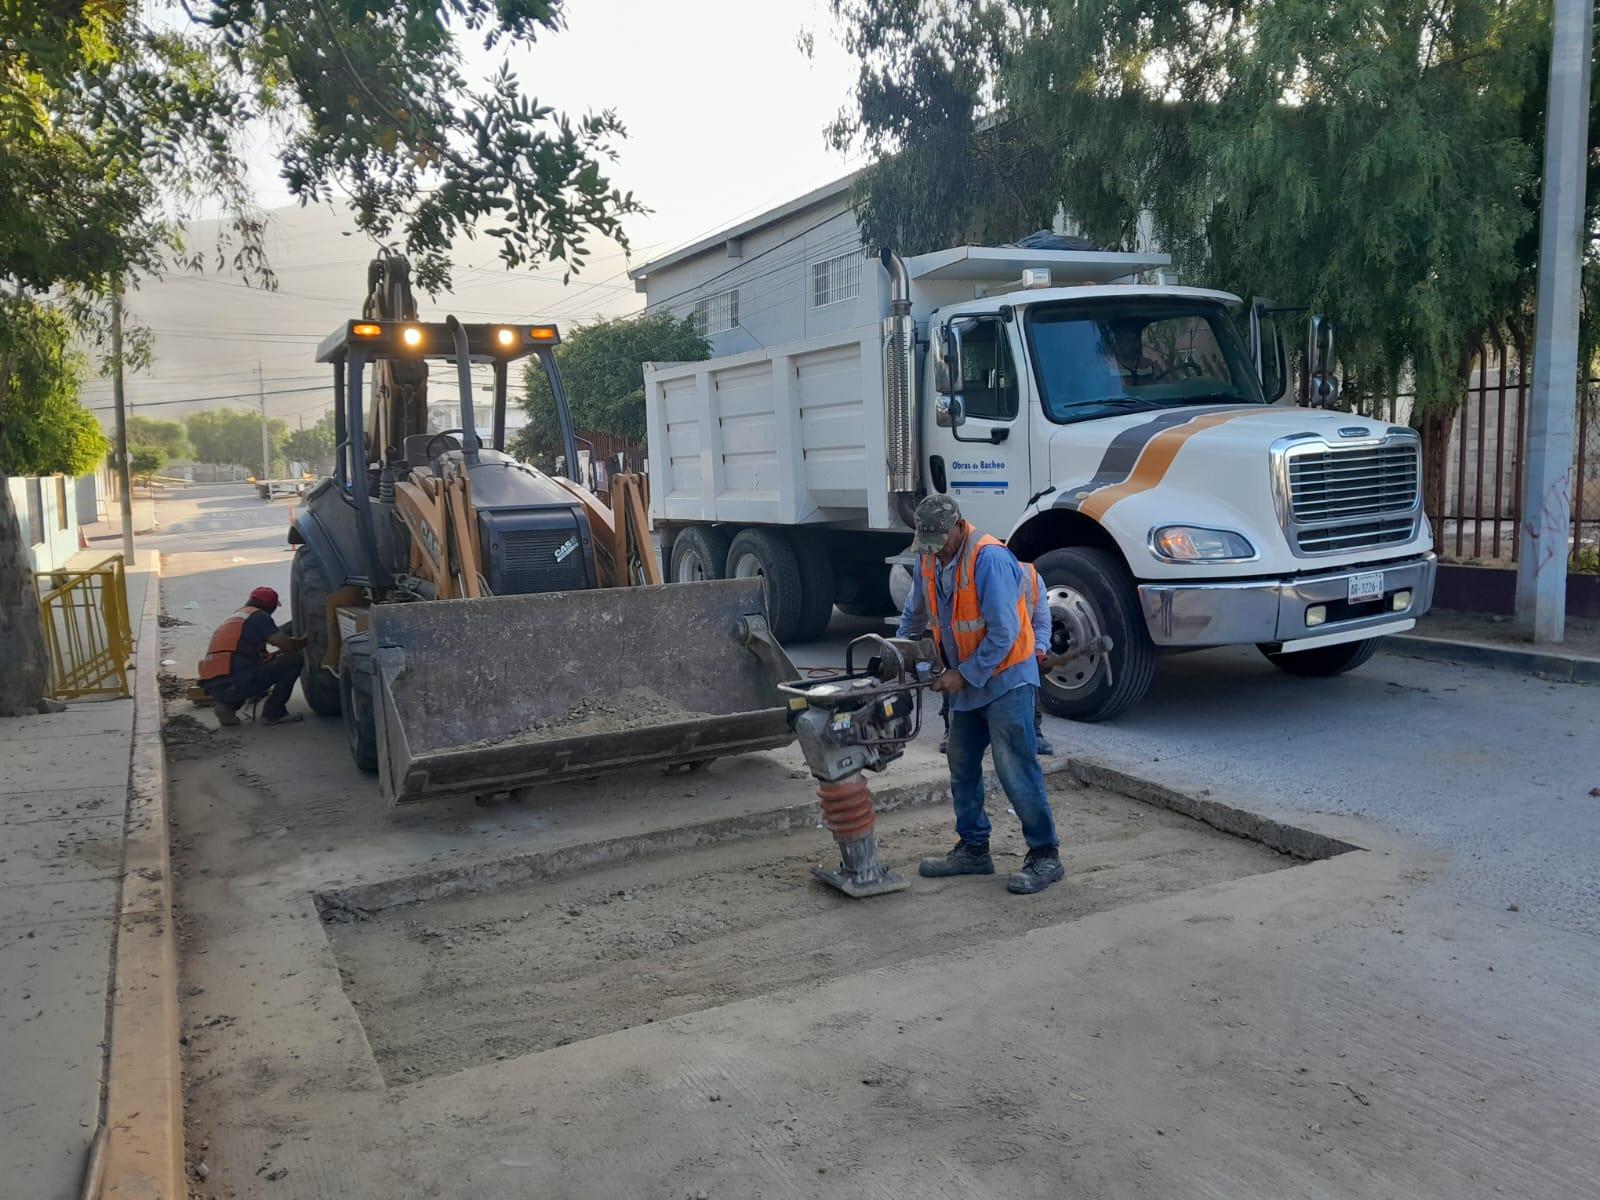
[{"x": 977, "y": 475}]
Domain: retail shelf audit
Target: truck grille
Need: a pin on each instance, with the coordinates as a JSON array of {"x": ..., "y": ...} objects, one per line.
[{"x": 1354, "y": 497}]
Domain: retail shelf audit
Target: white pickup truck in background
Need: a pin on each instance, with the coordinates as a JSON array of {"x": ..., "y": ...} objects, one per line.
[{"x": 1130, "y": 440}]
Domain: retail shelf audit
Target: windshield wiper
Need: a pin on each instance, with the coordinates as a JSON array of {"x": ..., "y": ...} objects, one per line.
[{"x": 1129, "y": 403}]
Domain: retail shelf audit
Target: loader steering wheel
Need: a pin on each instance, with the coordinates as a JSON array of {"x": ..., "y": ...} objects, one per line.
[{"x": 460, "y": 434}]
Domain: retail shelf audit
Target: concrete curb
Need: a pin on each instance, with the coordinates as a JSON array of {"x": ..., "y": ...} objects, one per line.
[
  {"x": 1294, "y": 840},
  {"x": 143, "y": 1154},
  {"x": 1544, "y": 664},
  {"x": 358, "y": 901}
]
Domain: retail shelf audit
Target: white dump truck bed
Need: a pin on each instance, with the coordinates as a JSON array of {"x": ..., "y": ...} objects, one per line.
[{"x": 791, "y": 435}]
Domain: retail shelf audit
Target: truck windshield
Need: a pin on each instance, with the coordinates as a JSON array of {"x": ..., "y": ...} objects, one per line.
[{"x": 1093, "y": 359}]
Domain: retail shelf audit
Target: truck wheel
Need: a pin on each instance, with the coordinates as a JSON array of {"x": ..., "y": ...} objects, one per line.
[
  {"x": 816, "y": 587},
  {"x": 767, "y": 555},
  {"x": 308, "y": 605},
  {"x": 358, "y": 693},
  {"x": 698, "y": 553},
  {"x": 1323, "y": 660},
  {"x": 1091, "y": 593}
]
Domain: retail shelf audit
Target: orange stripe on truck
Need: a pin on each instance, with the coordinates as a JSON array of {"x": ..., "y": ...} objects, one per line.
[{"x": 1155, "y": 461}]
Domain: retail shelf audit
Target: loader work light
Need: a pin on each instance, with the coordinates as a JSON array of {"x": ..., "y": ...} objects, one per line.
[
  {"x": 366, "y": 330},
  {"x": 411, "y": 335},
  {"x": 506, "y": 337},
  {"x": 546, "y": 334}
]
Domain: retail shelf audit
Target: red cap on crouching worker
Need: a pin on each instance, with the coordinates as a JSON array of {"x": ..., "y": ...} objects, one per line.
[{"x": 264, "y": 597}]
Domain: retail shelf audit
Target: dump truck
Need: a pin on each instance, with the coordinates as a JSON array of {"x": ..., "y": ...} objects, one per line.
[
  {"x": 1137, "y": 441},
  {"x": 460, "y": 612}
]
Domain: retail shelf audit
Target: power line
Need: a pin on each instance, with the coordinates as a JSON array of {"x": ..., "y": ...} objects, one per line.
[{"x": 210, "y": 399}]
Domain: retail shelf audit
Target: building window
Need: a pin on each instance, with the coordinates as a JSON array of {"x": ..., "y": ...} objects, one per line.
[
  {"x": 716, "y": 314},
  {"x": 835, "y": 279},
  {"x": 35, "y": 501}
]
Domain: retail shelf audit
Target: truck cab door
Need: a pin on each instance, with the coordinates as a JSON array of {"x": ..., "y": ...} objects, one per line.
[
  {"x": 978, "y": 446},
  {"x": 1268, "y": 350}
]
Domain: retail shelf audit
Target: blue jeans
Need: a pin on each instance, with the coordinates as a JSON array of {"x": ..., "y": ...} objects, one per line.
[{"x": 1005, "y": 726}]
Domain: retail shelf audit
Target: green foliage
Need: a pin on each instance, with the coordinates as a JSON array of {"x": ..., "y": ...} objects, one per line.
[
  {"x": 229, "y": 435},
  {"x": 312, "y": 445},
  {"x": 602, "y": 366},
  {"x": 117, "y": 121},
  {"x": 145, "y": 460},
  {"x": 168, "y": 435},
  {"x": 1372, "y": 159},
  {"x": 43, "y": 428}
]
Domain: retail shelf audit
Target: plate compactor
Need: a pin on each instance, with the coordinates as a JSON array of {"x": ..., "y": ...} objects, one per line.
[{"x": 855, "y": 721}]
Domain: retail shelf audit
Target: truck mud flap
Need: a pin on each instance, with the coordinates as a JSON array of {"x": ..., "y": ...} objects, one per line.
[{"x": 489, "y": 695}]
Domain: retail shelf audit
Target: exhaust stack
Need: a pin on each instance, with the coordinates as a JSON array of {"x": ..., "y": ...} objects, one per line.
[{"x": 899, "y": 388}]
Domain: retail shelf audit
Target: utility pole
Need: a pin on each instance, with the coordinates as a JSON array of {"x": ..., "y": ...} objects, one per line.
[
  {"x": 1541, "y": 612},
  {"x": 266, "y": 450},
  {"x": 124, "y": 483}
]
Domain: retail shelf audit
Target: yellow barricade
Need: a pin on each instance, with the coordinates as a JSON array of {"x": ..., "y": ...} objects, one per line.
[{"x": 86, "y": 629}]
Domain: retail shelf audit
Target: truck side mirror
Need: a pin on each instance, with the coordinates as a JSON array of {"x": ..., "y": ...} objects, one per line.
[
  {"x": 943, "y": 377},
  {"x": 948, "y": 410},
  {"x": 1267, "y": 350},
  {"x": 1322, "y": 385}
]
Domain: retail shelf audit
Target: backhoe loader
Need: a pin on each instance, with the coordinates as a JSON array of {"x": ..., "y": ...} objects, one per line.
[{"x": 463, "y": 613}]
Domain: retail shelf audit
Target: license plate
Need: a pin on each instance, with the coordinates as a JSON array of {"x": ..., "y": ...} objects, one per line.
[{"x": 1366, "y": 587}]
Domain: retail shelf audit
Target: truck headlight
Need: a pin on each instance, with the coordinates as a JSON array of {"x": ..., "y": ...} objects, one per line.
[{"x": 1189, "y": 543}]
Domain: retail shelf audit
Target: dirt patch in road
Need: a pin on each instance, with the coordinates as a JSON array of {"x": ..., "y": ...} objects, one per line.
[
  {"x": 188, "y": 737},
  {"x": 452, "y": 983}
]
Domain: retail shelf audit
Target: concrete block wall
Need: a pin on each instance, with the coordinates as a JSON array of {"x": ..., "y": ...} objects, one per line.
[{"x": 47, "y": 511}]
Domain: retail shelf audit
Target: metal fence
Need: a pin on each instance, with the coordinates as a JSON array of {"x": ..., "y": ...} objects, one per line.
[
  {"x": 86, "y": 631},
  {"x": 1483, "y": 456}
]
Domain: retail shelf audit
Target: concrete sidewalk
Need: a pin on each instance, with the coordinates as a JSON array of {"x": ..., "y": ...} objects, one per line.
[{"x": 64, "y": 792}]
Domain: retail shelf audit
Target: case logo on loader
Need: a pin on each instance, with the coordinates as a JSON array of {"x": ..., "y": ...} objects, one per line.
[{"x": 564, "y": 551}]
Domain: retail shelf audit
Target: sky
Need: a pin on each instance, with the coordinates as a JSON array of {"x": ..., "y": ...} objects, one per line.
[{"x": 724, "y": 116}]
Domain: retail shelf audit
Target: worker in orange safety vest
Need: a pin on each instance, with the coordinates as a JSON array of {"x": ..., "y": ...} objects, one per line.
[
  {"x": 239, "y": 665},
  {"x": 971, "y": 595}
]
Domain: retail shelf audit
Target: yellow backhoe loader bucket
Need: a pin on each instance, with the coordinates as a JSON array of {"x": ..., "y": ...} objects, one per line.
[{"x": 492, "y": 694}]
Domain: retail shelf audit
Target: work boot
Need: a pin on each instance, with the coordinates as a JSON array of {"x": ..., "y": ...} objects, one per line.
[
  {"x": 227, "y": 714},
  {"x": 968, "y": 858},
  {"x": 1043, "y": 744},
  {"x": 283, "y": 718},
  {"x": 1040, "y": 869}
]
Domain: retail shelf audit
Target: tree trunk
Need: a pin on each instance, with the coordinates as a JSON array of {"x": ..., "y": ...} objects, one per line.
[
  {"x": 1435, "y": 424},
  {"x": 24, "y": 668}
]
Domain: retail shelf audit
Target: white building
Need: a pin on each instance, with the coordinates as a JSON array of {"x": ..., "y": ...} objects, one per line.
[{"x": 792, "y": 272}]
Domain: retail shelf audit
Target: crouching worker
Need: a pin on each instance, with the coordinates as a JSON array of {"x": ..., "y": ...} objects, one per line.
[
  {"x": 240, "y": 666},
  {"x": 972, "y": 596}
]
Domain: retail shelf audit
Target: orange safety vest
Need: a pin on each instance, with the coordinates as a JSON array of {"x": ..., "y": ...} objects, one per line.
[
  {"x": 967, "y": 623},
  {"x": 224, "y": 644}
]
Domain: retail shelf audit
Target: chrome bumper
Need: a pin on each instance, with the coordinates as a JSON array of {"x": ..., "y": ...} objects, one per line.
[{"x": 1244, "y": 612}]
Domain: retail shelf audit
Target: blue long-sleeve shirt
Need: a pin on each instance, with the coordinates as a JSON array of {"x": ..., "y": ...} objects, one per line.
[{"x": 999, "y": 581}]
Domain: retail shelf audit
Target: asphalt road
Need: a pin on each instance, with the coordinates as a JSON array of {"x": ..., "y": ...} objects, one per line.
[{"x": 1492, "y": 767}]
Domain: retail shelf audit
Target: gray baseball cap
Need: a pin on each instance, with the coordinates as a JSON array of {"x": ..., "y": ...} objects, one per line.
[{"x": 935, "y": 517}]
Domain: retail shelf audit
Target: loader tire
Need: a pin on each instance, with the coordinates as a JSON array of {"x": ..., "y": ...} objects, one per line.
[
  {"x": 308, "y": 606},
  {"x": 768, "y": 555},
  {"x": 358, "y": 692},
  {"x": 1096, "y": 586},
  {"x": 699, "y": 552},
  {"x": 816, "y": 587}
]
